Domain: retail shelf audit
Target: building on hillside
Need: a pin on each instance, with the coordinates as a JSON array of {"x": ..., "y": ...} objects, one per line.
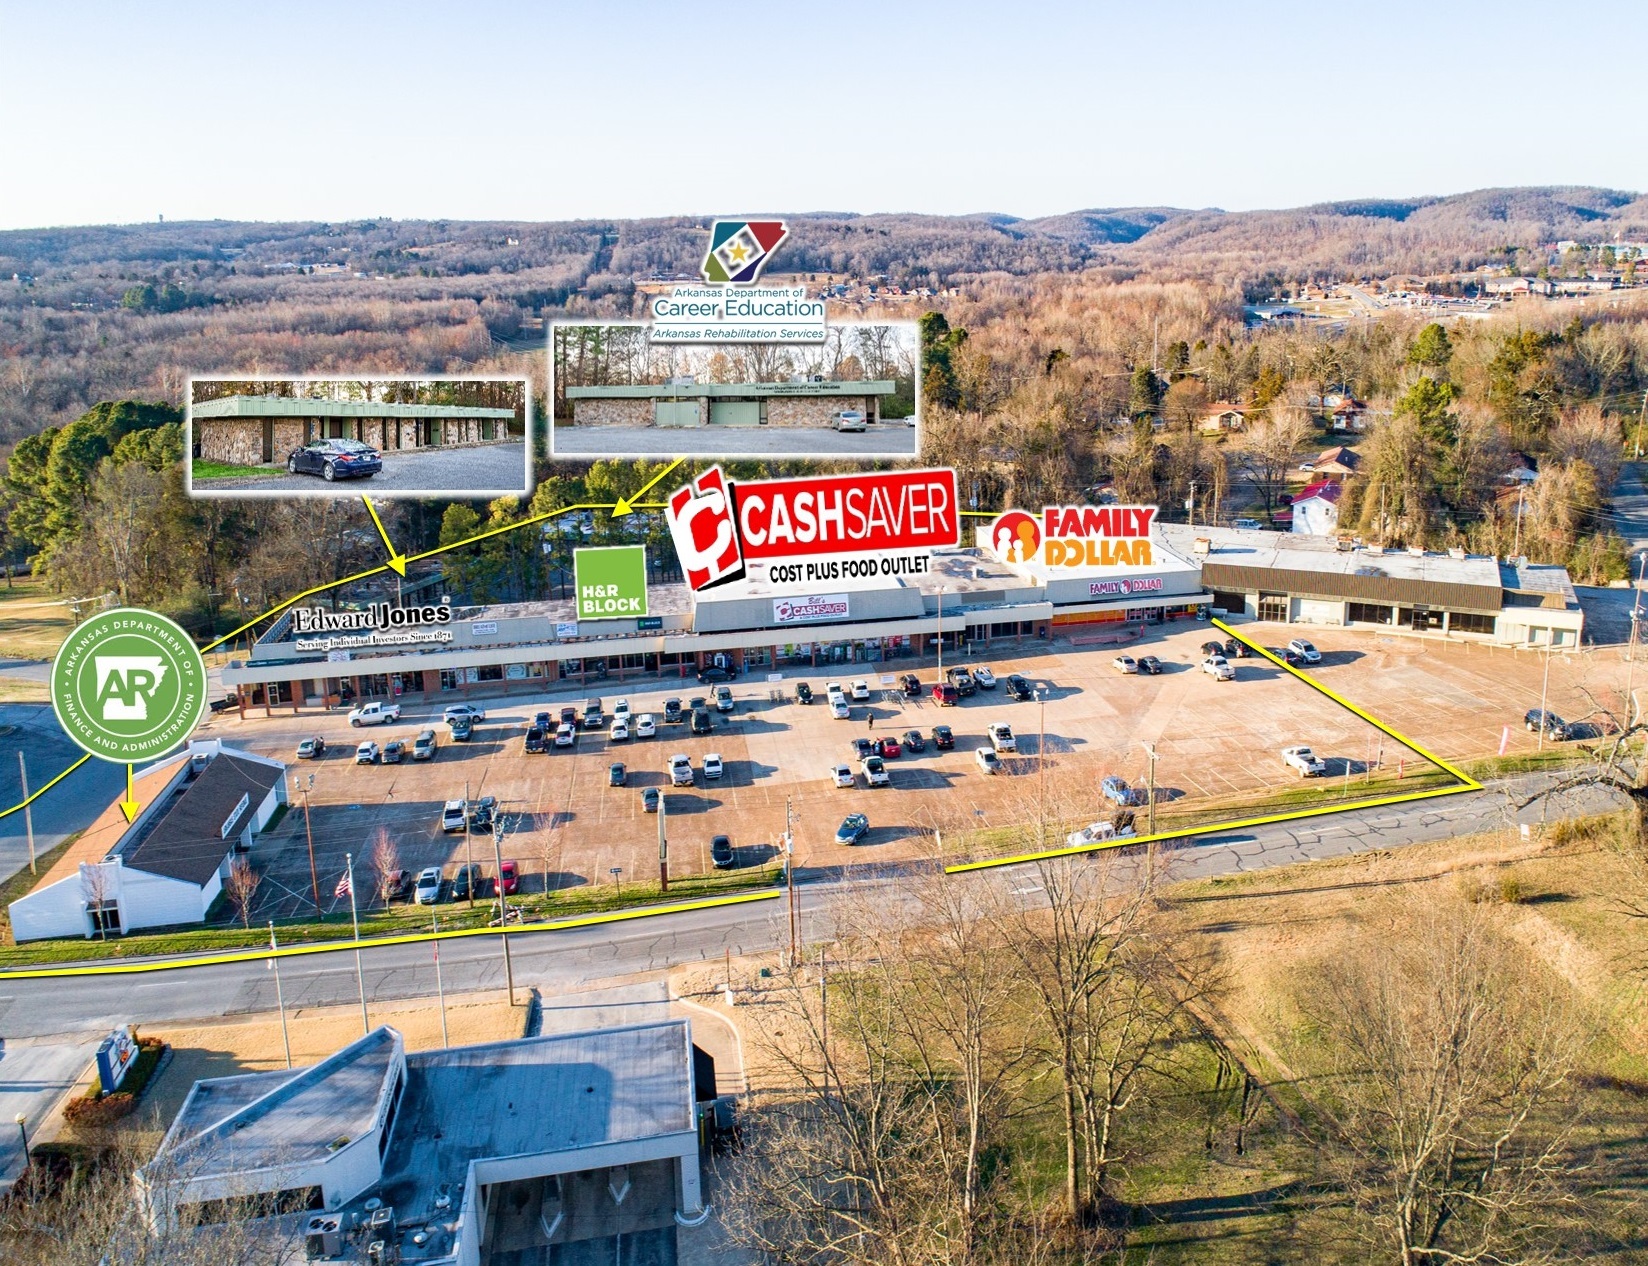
[
  {"x": 1316, "y": 509},
  {"x": 1338, "y": 462},
  {"x": 688, "y": 404},
  {"x": 1518, "y": 286},
  {"x": 1522, "y": 470},
  {"x": 262, "y": 430},
  {"x": 1585, "y": 285},
  {"x": 1222, "y": 416},
  {"x": 1349, "y": 415},
  {"x": 165, "y": 868},
  {"x": 575, "y": 1147}
]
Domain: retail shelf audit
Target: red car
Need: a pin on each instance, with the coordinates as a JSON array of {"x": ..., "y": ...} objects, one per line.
[
  {"x": 887, "y": 748},
  {"x": 509, "y": 877},
  {"x": 946, "y": 695}
]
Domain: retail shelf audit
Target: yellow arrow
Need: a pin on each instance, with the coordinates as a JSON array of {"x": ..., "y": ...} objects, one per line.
[
  {"x": 396, "y": 560},
  {"x": 129, "y": 806},
  {"x": 626, "y": 505}
]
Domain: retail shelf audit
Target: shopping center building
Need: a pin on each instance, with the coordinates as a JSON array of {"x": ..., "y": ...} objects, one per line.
[
  {"x": 970, "y": 598},
  {"x": 260, "y": 430},
  {"x": 686, "y": 403}
]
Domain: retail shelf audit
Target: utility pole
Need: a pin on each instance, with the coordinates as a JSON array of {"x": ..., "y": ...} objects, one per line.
[
  {"x": 663, "y": 850},
  {"x": 1544, "y": 690},
  {"x": 1041, "y": 764},
  {"x": 789, "y": 882},
  {"x": 469, "y": 853},
  {"x": 354, "y": 917},
  {"x": 1151, "y": 748},
  {"x": 1190, "y": 505},
  {"x": 1631, "y": 649},
  {"x": 309, "y": 834},
  {"x": 28, "y": 813},
  {"x": 440, "y": 987},
  {"x": 941, "y": 633},
  {"x": 503, "y": 903},
  {"x": 280, "y": 997},
  {"x": 1516, "y": 549},
  {"x": 1640, "y": 417}
]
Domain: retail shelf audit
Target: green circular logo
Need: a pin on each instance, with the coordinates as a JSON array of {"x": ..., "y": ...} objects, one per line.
[{"x": 128, "y": 685}]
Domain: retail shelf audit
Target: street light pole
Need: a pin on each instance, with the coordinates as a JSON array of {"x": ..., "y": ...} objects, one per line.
[
  {"x": 280, "y": 997},
  {"x": 1151, "y": 749},
  {"x": 1544, "y": 690},
  {"x": 354, "y": 917},
  {"x": 941, "y": 633},
  {"x": 309, "y": 834},
  {"x": 28, "y": 813},
  {"x": 503, "y": 904},
  {"x": 789, "y": 882},
  {"x": 440, "y": 987},
  {"x": 1041, "y": 763}
]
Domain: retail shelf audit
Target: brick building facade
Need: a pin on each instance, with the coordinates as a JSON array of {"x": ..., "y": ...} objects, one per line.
[{"x": 262, "y": 430}]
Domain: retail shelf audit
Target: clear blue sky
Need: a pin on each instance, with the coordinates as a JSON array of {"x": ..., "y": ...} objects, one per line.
[{"x": 121, "y": 111}]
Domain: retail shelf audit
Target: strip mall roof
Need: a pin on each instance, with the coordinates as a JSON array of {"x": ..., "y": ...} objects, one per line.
[
  {"x": 287, "y": 407},
  {"x": 655, "y": 391}
]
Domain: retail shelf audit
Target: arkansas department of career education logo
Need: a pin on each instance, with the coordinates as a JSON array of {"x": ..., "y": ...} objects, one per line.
[
  {"x": 128, "y": 685},
  {"x": 739, "y": 249}
]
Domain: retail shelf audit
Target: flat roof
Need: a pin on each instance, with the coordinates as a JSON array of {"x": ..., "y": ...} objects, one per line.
[
  {"x": 288, "y": 407},
  {"x": 662, "y": 391}
]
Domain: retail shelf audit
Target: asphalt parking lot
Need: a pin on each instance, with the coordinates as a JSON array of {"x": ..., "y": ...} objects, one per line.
[
  {"x": 486, "y": 468},
  {"x": 567, "y": 826}
]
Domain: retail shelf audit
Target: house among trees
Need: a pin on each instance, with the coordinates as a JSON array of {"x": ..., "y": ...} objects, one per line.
[
  {"x": 1316, "y": 509},
  {"x": 1349, "y": 415},
  {"x": 1338, "y": 462},
  {"x": 1222, "y": 416},
  {"x": 1522, "y": 470}
]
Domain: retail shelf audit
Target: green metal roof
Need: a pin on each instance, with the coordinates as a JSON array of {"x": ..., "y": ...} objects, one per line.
[
  {"x": 284, "y": 407},
  {"x": 663, "y": 391}
]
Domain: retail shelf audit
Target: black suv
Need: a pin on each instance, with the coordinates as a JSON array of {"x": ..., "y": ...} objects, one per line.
[
  {"x": 943, "y": 738},
  {"x": 803, "y": 692},
  {"x": 672, "y": 711},
  {"x": 480, "y": 813},
  {"x": 535, "y": 740},
  {"x": 467, "y": 880},
  {"x": 1019, "y": 688},
  {"x": 701, "y": 723},
  {"x": 1554, "y": 726}
]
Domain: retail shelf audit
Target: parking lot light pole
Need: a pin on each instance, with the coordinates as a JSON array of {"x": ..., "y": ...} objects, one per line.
[
  {"x": 23, "y": 1129},
  {"x": 354, "y": 917},
  {"x": 469, "y": 853},
  {"x": 1544, "y": 691},
  {"x": 941, "y": 633},
  {"x": 1151, "y": 749},
  {"x": 28, "y": 813},
  {"x": 440, "y": 986},
  {"x": 1041, "y": 760},
  {"x": 503, "y": 904},
  {"x": 280, "y": 997},
  {"x": 309, "y": 835}
]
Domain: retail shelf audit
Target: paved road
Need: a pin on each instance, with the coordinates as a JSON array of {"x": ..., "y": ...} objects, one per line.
[
  {"x": 1630, "y": 508},
  {"x": 739, "y": 441},
  {"x": 72, "y": 805},
  {"x": 491, "y": 470},
  {"x": 33, "y": 1076},
  {"x": 561, "y": 962}
]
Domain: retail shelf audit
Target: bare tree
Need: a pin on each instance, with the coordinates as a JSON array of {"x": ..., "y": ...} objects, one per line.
[
  {"x": 385, "y": 863},
  {"x": 240, "y": 885},
  {"x": 1269, "y": 447},
  {"x": 97, "y": 885}
]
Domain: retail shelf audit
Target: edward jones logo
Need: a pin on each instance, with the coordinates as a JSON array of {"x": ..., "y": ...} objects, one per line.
[
  {"x": 1076, "y": 536},
  {"x": 128, "y": 685},
  {"x": 739, "y": 249}
]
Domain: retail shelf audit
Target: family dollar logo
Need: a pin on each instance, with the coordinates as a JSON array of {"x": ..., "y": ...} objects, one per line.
[
  {"x": 1076, "y": 536},
  {"x": 128, "y": 685},
  {"x": 739, "y": 249}
]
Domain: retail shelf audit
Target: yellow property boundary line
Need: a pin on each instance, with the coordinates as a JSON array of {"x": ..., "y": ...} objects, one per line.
[
  {"x": 142, "y": 966},
  {"x": 1466, "y": 784}
]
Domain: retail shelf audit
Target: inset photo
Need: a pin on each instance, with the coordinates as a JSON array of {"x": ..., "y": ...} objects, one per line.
[
  {"x": 617, "y": 393},
  {"x": 398, "y": 437}
]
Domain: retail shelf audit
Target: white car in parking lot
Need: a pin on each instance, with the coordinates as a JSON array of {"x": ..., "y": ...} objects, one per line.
[
  {"x": 566, "y": 735},
  {"x": 712, "y": 765},
  {"x": 1305, "y": 651},
  {"x": 842, "y": 775},
  {"x": 646, "y": 725},
  {"x": 1125, "y": 664},
  {"x": 1307, "y": 762},
  {"x": 366, "y": 754},
  {"x": 839, "y": 709},
  {"x": 984, "y": 677},
  {"x": 619, "y": 733},
  {"x": 861, "y": 690},
  {"x": 833, "y": 688},
  {"x": 467, "y": 710},
  {"x": 428, "y": 890},
  {"x": 987, "y": 760},
  {"x": 680, "y": 768},
  {"x": 1218, "y": 668},
  {"x": 620, "y": 710},
  {"x": 452, "y": 816}
]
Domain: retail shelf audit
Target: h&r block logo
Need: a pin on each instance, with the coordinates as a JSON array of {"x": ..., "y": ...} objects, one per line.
[
  {"x": 128, "y": 685},
  {"x": 739, "y": 249}
]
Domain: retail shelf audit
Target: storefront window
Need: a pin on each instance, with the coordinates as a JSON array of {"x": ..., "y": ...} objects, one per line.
[
  {"x": 1273, "y": 606},
  {"x": 1471, "y": 622},
  {"x": 1368, "y": 613},
  {"x": 490, "y": 672}
]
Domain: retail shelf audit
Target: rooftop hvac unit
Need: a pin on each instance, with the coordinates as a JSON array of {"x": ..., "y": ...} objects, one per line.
[
  {"x": 323, "y": 1236},
  {"x": 1456, "y": 552},
  {"x": 380, "y": 1225},
  {"x": 382, "y": 1253},
  {"x": 1375, "y": 549},
  {"x": 1416, "y": 551}
]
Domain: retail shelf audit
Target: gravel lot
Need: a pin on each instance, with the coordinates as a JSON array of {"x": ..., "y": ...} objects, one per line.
[
  {"x": 741, "y": 441},
  {"x": 491, "y": 470}
]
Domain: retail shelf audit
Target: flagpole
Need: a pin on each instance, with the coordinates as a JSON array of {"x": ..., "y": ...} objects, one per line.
[
  {"x": 280, "y": 997},
  {"x": 354, "y": 917}
]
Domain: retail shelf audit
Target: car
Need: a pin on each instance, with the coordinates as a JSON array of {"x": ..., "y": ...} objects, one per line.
[
  {"x": 713, "y": 673},
  {"x": 1150, "y": 664},
  {"x": 1289, "y": 657},
  {"x": 913, "y": 742},
  {"x": 366, "y": 753},
  {"x": 467, "y": 882},
  {"x": 721, "y": 855},
  {"x": 481, "y": 814},
  {"x": 946, "y": 695},
  {"x": 672, "y": 712},
  {"x": 311, "y": 749},
  {"x": 849, "y": 420},
  {"x": 944, "y": 738},
  {"x": 509, "y": 877},
  {"x": 803, "y": 692},
  {"x": 334, "y": 459},
  {"x": 1001, "y": 737},
  {"x": 1307, "y": 468},
  {"x": 1019, "y": 688},
  {"x": 541, "y": 721},
  {"x": 569, "y": 716},
  {"x": 697, "y": 702},
  {"x": 1097, "y": 833},
  {"x": 616, "y": 773},
  {"x": 1213, "y": 648},
  {"x": 566, "y": 735},
  {"x": 1249, "y": 524},
  {"x": 680, "y": 770},
  {"x": 375, "y": 714},
  {"x": 620, "y": 710},
  {"x": 1554, "y": 726},
  {"x": 712, "y": 765},
  {"x": 424, "y": 746},
  {"x": 394, "y": 886},
  {"x": 987, "y": 760},
  {"x": 1218, "y": 668},
  {"x": 466, "y": 710},
  {"x": 393, "y": 752},
  {"x": 452, "y": 815},
  {"x": 534, "y": 741},
  {"x": 646, "y": 725},
  {"x": 1238, "y": 650},
  {"x": 862, "y": 748},
  {"x": 833, "y": 688},
  {"x": 1125, "y": 664},
  {"x": 1305, "y": 651},
  {"x": 619, "y": 733},
  {"x": 839, "y": 710},
  {"x": 650, "y": 798},
  {"x": 888, "y": 748},
  {"x": 1307, "y": 762},
  {"x": 428, "y": 888},
  {"x": 983, "y": 678},
  {"x": 723, "y": 699},
  {"x": 701, "y": 723},
  {"x": 961, "y": 681},
  {"x": 842, "y": 775},
  {"x": 1117, "y": 790},
  {"x": 910, "y": 684},
  {"x": 854, "y": 827},
  {"x": 861, "y": 691},
  {"x": 460, "y": 730},
  {"x": 594, "y": 718},
  {"x": 874, "y": 771}
]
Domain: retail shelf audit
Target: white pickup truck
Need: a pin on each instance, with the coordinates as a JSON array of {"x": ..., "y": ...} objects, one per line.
[{"x": 375, "y": 714}]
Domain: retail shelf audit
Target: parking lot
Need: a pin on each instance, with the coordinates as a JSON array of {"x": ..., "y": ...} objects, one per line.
[{"x": 566, "y": 825}]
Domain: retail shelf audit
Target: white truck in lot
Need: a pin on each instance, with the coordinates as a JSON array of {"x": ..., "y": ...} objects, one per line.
[
  {"x": 1306, "y": 762},
  {"x": 1001, "y": 737},
  {"x": 375, "y": 714}
]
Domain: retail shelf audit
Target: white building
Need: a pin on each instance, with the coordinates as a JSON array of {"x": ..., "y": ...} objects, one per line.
[
  {"x": 1316, "y": 509},
  {"x": 167, "y": 866}
]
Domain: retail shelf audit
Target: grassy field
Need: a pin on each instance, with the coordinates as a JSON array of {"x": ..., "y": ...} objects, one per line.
[
  {"x": 222, "y": 470},
  {"x": 33, "y": 621}
]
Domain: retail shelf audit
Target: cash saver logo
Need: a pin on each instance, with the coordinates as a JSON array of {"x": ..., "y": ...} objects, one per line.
[
  {"x": 1076, "y": 536},
  {"x": 128, "y": 685},
  {"x": 739, "y": 249}
]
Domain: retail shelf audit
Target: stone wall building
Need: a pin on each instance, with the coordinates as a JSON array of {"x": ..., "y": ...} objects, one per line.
[
  {"x": 788, "y": 404},
  {"x": 262, "y": 430}
]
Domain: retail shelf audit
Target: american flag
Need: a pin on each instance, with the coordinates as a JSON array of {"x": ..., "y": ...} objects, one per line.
[{"x": 344, "y": 887}]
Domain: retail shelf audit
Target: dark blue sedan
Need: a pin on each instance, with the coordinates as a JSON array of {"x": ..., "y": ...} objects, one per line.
[{"x": 335, "y": 459}]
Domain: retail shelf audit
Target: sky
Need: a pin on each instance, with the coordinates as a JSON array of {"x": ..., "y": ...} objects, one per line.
[{"x": 118, "y": 112}]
